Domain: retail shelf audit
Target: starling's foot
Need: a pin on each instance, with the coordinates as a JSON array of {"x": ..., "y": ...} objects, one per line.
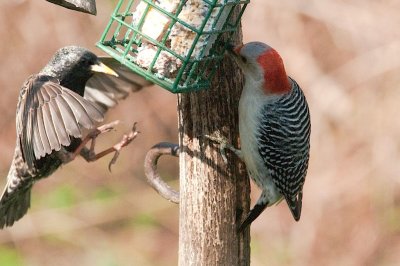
[
  {"x": 86, "y": 153},
  {"x": 100, "y": 130},
  {"x": 91, "y": 156},
  {"x": 126, "y": 139},
  {"x": 223, "y": 145}
]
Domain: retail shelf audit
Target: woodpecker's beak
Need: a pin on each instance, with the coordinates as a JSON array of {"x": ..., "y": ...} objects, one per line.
[
  {"x": 99, "y": 67},
  {"x": 233, "y": 50},
  {"x": 236, "y": 50},
  {"x": 230, "y": 47}
]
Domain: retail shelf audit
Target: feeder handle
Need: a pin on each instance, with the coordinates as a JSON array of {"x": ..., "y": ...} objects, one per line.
[
  {"x": 86, "y": 6},
  {"x": 150, "y": 170}
]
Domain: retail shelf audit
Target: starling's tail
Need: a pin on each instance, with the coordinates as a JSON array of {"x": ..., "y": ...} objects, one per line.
[{"x": 14, "y": 205}]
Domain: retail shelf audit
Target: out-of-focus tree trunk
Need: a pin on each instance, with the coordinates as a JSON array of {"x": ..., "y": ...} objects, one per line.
[{"x": 214, "y": 196}]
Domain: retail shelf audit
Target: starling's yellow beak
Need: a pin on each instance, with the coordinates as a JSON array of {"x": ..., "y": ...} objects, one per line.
[{"x": 102, "y": 68}]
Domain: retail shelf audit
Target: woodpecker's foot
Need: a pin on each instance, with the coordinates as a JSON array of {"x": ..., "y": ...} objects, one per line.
[
  {"x": 253, "y": 214},
  {"x": 223, "y": 145},
  {"x": 90, "y": 155}
]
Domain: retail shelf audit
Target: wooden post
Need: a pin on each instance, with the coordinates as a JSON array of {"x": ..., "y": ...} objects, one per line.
[{"x": 214, "y": 197}]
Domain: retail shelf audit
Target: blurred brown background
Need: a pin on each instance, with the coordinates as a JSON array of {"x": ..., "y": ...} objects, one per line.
[{"x": 345, "y": 55}]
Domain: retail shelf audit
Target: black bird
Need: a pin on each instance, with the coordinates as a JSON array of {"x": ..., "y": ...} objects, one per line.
[{"x": 70, "y": 93}]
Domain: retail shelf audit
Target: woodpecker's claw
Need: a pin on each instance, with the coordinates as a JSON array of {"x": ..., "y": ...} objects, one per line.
[
  {"x": 223, "y": 142},
  {"x": 223, "y": 145}
]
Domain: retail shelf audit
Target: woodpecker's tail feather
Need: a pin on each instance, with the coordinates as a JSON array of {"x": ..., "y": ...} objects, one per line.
[
  {"x": 295, "y": 206},
  {"x": 253, "y": 214},
  {"x": 13, "y": 206}
]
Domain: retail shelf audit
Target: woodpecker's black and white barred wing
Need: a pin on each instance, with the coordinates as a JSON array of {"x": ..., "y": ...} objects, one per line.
[
  {"x": 106, "y": 90},
  {"x": 284, "y": 139},
  {"x": 48, "y": 114}
]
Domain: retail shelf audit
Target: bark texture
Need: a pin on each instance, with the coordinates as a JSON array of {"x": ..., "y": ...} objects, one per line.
[{"x": 214, "y": 197}]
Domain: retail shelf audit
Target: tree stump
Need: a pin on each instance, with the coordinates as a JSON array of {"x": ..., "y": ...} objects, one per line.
[{"x": 214, "y": 197}]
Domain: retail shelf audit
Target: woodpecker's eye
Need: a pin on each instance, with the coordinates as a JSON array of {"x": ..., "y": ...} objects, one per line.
[{"x": 244, "y": 59}]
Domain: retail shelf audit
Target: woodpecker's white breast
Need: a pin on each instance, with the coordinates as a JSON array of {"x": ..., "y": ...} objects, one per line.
[{"x": 251, "y": 105}]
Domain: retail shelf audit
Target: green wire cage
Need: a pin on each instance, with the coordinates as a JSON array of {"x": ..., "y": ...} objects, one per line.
[{"x": 176, "y": 44}]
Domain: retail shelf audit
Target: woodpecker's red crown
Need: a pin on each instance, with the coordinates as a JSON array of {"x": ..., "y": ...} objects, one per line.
[{"x": 266, "y": 60}]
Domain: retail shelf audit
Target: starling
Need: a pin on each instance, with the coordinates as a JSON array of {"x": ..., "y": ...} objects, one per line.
[{"x": 71, "y": 93}]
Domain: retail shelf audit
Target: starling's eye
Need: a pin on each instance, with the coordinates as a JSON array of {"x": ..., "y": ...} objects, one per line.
[{"x": 85, "y": 61}]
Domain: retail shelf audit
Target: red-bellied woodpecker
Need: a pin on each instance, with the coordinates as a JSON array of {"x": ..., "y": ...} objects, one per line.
[{"x": 274, "y": 128}]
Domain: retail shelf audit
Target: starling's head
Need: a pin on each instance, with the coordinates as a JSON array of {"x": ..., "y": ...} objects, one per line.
[
  {"x": 74, "y": 63},
  {"x": 260, "y": 62}
]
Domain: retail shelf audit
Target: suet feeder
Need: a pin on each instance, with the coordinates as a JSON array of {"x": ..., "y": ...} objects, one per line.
[{"x": 176, "y": 44}]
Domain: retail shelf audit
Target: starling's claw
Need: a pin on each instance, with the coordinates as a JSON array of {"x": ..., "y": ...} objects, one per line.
[
  {"x": 113, "y": 160},
  {"x": 126, "y": 139},
  {"x": 90, "y": 155},
  {"x": 103, "y": 129}
]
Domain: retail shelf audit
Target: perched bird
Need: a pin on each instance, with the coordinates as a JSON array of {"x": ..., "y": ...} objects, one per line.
[
  {"x": 274, "y": 129},
  {"x": 70, "y": 93}
]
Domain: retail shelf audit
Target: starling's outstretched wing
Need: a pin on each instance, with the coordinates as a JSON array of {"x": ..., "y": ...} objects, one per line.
[
  {"x": 48, "y": 114},
  {"x": 106, "y": 90}
]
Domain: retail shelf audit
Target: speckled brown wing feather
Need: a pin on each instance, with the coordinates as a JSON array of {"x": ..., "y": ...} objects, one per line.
[
  {"x": 48, "y": 114},
  {"x": 106, "y": 90}
]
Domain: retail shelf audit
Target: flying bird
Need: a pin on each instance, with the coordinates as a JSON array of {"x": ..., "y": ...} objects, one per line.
[{"x": 71, "y": 93}]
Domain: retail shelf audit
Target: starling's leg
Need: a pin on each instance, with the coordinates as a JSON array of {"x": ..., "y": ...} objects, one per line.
[
  {"x": 67, "y": 156},
  {"x": 92, "y": 137},
  {"x": 90, "y": 155},
  {"x": 223, "y": 142}
]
